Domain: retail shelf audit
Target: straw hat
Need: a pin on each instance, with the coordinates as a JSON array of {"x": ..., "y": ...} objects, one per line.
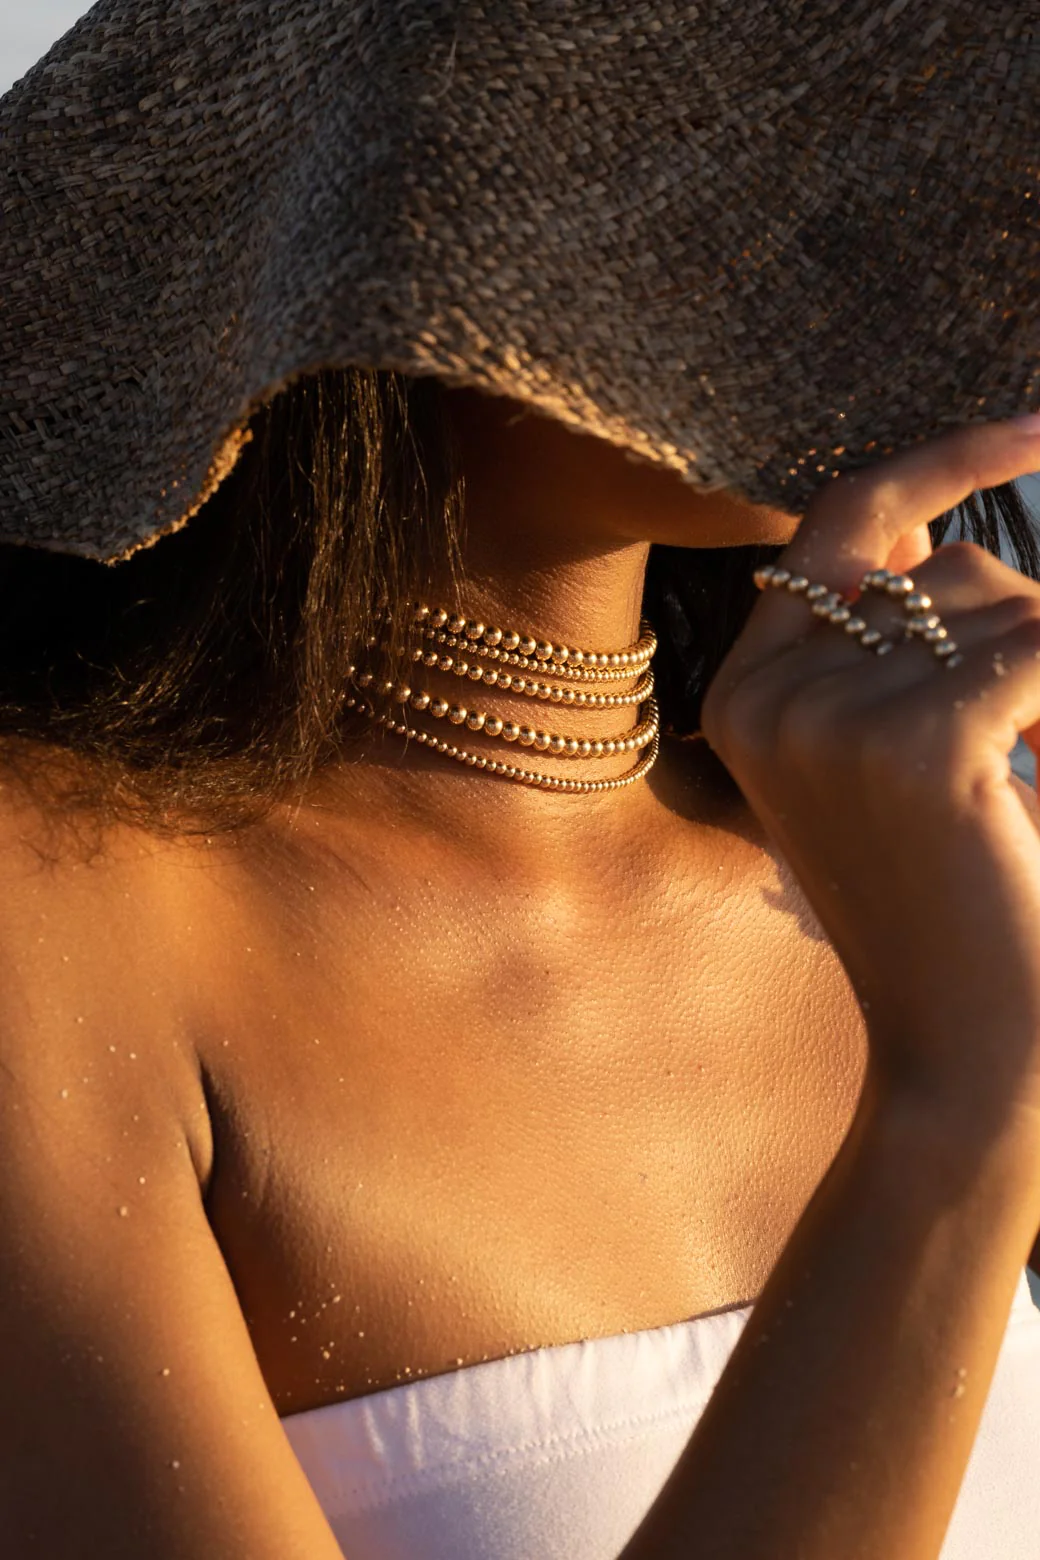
[{"x": 756, "y": 242}]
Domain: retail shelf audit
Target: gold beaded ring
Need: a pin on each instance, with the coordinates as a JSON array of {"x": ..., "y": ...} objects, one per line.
[
  {"x": 833, "y": 608},
  {"x": 922, "y": 623}
]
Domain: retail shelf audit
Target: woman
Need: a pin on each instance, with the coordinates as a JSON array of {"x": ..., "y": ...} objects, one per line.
[{"x": 334, "y": 1062}]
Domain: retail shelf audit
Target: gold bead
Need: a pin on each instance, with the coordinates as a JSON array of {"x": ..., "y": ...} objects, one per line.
[
  {"x": 422, "y": 615},
  {"x": 445, "y": 663},
  {"x": 505, "y": 680},
  {"x": 456, "y": 624},
  {"x": 557, "y": 745},
  {"x": 527, "y": 736},
  {"x": 493, "y": 726},
  {"x": 476, "y": 672},
  {"x": 493, "y": 637},
  {"x": 560, "y": 653},
  {"x": 598, "y": 749},
  {"x": 439, "y": 708},
  {"x": 543, "y": 650},
  {"x": 475, "y": 720},
  {"x": 570, "y": 747},
  {"x": 510, "y": 640},
  {"x": 526, "y": 647},
  {"x": 457, "y": 715},
  {"x": 438, "y": 618},
  {"x": 797, "y": 584},
  {"x": 585, "y": 748},
  {"x": 430, "y": 658},
  {"x": 475, "y": 630},
  {"x": 402, "y": 693},
  {"x": 823, "y": 606},
  {"x": 542, "y": 740},
  {"x": 510, "y": 731}
]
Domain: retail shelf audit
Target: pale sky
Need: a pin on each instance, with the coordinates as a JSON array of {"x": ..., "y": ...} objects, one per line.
[{"x": 27, "y": 30}]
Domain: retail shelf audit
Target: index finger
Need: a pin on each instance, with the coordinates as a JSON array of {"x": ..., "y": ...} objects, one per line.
[{"x": 855, "y": 522}]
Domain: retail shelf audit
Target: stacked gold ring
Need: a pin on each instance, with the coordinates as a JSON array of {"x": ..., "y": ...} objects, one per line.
[{"x": 833, "y": 608}]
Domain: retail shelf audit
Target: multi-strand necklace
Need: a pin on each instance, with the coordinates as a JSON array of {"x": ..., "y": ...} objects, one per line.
[{"x": 517, "y": 663}]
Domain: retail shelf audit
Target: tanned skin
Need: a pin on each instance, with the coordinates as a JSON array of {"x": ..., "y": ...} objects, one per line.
[{"x": 427, "y": 1068}]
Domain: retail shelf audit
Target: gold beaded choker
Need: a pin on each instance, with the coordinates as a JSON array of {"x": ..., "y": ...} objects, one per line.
[{"x": 503, "y": 659}]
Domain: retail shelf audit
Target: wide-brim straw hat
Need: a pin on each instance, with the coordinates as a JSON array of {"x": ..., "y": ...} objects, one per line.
[{"x": 758, "y": 242}]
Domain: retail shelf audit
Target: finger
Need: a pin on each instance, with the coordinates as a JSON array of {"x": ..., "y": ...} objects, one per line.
[
  {"x": 856, "y": 522},
  {"x": 910, "y": 552},
  {"x": 961, "y": 575}
]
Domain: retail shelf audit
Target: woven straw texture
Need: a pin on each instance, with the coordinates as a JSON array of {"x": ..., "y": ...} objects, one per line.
[{"x": 757, "y": 242}]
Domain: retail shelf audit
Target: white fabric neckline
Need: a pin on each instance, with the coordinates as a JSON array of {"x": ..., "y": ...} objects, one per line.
[{"x": 561, "y": 1451}]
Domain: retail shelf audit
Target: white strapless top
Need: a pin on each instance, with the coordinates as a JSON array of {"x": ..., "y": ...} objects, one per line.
[{"x": 558, "y": 1454}]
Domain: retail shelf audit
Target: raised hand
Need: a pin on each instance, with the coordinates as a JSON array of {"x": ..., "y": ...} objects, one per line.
[{"x": 885, "y": 779}]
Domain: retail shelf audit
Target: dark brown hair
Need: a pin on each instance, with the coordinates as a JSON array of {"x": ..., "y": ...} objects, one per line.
[{"x": 197, "y": 682}]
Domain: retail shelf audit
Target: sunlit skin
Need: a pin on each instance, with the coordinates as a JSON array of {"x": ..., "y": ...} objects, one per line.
[
  {"x": 427, "y": 1069},
  {"x": 501, "y": 1068},
  {"x": 559, "y": 964},
  {"x": 558, "y": 530}
]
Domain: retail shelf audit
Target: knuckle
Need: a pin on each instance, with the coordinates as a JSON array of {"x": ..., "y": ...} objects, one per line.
[
  {"x": 960, "y": 559},
  {"x": 866, "y": 496},
  {"x": 1025, "y": 636},
  {"x": 1018, "y": 611},
  {"x": 964, "y": 457}
]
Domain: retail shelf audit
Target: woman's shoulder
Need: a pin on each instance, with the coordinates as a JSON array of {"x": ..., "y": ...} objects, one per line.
[{"x": 91, "y": 1016}]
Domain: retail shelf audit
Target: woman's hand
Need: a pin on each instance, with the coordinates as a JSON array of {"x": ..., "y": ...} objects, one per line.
[{"x": 885, "y": 781}]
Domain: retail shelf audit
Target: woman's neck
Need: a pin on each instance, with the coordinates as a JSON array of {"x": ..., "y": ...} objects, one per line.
[{"x": 558, "y": 528}]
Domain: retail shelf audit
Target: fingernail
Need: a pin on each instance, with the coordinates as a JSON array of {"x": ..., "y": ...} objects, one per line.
[{"x": 1029, "y": 424}]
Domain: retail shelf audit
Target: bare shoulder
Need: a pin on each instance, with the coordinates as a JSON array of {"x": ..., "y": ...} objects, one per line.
[
  {"x": 128, "y": 1379},
  {"x": 89, "y": 960}
]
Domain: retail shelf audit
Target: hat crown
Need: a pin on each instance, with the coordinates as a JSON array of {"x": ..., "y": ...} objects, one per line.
[{"x": 756, "y": 243}]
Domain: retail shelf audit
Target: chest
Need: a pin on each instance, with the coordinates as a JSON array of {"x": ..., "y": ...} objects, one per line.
[{"x": 469, "y": 1139}]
